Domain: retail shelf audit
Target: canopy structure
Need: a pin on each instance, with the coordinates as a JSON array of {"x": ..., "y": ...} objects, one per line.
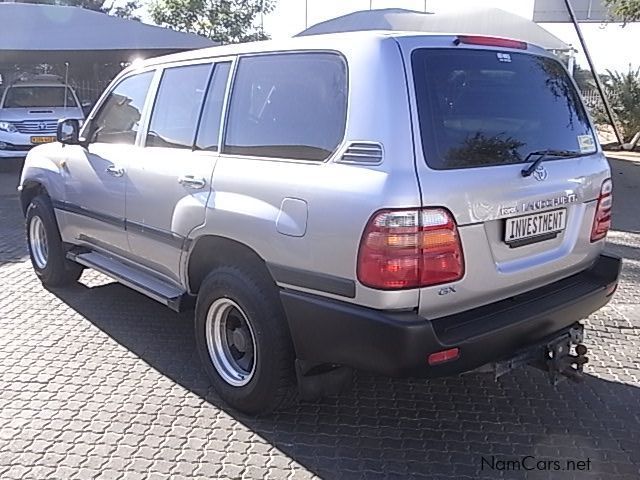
[
  {"x": 480, "y": 21},
  {"x": 50, "y": 33}
]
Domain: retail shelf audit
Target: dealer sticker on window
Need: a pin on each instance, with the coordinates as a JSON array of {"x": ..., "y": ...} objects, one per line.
[{"x": 586, "y": 143}]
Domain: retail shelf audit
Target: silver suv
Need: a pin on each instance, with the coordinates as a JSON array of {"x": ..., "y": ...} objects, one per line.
[
  {"x": 29, "y": 112},
  {"x": 410, "y": 205}
]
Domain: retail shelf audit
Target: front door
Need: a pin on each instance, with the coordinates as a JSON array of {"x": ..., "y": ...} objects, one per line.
[
  {"x": 168, "y": 183},
  {"x": 96, "y": 175}
]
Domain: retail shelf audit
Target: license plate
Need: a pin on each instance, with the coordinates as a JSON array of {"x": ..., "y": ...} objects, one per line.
[
  {"x": 36, "y": 140},
  {"x": 537, "y": 226}
]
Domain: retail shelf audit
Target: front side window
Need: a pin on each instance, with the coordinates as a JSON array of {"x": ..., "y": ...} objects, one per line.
[
  {"x": 288, "y": 106},
  {"x": 119, "y": 117},
  {"x": 177, "y": 107},
  {"x": 479, "y": 107},
  {"x": 39, "y": 97}
]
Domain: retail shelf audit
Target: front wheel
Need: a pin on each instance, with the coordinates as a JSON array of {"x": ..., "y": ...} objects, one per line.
[
  {"x": 243, "y": 340},
  {"x": 47, "y": 252}
]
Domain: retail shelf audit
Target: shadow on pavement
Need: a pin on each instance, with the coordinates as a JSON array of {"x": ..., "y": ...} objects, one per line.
[
  {"x": 389, "y": 427},
  {"x": 626, "y": 194}
]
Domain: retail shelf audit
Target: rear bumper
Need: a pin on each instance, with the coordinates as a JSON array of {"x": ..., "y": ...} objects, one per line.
[{"x": 326, "y": 331}]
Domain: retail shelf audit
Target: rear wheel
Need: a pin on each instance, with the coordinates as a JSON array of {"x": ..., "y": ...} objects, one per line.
[
  {"x": 243, "y": 340},
  {"x": 47, "y": 252}
]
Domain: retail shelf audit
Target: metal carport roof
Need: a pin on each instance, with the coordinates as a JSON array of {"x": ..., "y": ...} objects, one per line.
[{"x": 51, "y": 33}]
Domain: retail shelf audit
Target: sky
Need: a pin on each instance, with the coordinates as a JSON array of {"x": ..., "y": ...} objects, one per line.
[{"x": 612, "y": 47}]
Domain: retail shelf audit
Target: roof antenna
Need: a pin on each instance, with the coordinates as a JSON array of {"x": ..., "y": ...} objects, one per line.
[{"x": 66, "y": 82}]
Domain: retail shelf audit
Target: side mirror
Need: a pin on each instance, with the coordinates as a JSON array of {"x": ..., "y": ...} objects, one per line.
[{"x": 68, "y": 131}]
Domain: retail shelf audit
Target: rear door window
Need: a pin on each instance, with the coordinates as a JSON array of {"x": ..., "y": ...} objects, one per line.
[
  {"x": 479, "y": 108},
  {"x": 211, "y": 120},
  {"x": 288, "y": 106},
  {"x": 174, "y": 118}
]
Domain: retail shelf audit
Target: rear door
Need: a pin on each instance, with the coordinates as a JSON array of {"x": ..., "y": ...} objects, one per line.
[
  {"x": 169, "y": 182},
  {"x": 481, "y": 111}
]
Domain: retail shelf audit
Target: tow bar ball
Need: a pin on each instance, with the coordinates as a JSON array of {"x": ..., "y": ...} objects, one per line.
[{"x": 561, "y": 363}]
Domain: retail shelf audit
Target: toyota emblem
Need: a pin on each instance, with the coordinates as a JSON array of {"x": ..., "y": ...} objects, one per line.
[
  {"x": 42, "y": 126},
  {"x": 540, "y": 173}
]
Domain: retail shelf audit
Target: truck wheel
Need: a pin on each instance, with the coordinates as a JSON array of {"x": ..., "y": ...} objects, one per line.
[
  {"x": 46, "y": 250},
  {"x": 243, "y": 340}
]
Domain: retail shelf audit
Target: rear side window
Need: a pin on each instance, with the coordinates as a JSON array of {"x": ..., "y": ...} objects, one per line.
[
  {"x": 118, "y": 120},
  {"x": 288, "y": 106},
  {"x": 478, "y": 108},
  {"x": 177, "y": 107}
]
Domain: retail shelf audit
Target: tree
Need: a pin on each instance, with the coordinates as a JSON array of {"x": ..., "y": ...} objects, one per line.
[
  {"x": 225, "y": 21},
  {"x": 628, "y": 10},
  {"x": 111, "y": 7},
  {"x": 623, "y": 91}
]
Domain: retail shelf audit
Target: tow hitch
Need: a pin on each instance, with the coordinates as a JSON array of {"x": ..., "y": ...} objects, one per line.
[{"x": 563, "y": 356}]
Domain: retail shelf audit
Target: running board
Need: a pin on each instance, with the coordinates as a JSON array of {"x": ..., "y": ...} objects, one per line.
[{"x": 170, "y": 295}]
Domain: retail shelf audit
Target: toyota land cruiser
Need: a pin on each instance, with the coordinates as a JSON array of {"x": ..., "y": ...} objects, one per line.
[{"x": 405, "y": 204}]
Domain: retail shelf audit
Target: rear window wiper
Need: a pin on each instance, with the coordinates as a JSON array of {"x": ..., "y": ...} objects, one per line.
[{"x": 542, "y": 154}]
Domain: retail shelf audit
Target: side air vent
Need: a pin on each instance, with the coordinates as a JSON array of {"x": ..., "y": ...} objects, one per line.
[{"x": 363, "y": 153}]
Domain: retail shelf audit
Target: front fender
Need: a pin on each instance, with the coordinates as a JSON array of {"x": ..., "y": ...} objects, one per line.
[{"x": 43, "y": 167}]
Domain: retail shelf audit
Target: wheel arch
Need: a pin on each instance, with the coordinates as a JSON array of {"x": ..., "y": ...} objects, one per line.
[
  {"x": 211, "y": 251},
  {"x": 30, "y": 190}
]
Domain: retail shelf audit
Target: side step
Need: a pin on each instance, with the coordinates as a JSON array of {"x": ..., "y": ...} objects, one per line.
[{"x": 170, "y": 295}]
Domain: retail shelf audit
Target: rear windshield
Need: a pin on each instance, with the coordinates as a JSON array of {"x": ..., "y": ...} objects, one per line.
[
  {"x": 480, "y": 108},
  {"x": 38, "y": 97}
]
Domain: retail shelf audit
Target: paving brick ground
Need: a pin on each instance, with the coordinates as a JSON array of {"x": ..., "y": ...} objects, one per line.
[{"x": 97, "y": 381}]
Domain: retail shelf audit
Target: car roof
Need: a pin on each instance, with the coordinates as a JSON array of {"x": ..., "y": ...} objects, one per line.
[
  {"x": 37, "y": 84},
  {"x": 327, "y": 41}
]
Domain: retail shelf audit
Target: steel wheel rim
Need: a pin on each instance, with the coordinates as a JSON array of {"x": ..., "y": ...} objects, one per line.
[
  {"x": 38, "y": 242},
  {"x": 231, "y": 342}
]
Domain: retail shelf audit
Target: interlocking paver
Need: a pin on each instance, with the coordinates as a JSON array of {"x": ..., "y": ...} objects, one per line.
[{"x": 97, "y": 381}]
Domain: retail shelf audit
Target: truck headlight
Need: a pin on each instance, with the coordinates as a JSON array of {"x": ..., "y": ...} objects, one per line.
[{"x": 8, "y": 127}]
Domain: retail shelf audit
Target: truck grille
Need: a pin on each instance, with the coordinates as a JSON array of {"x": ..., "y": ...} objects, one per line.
[{"x": 39, "y": 127}]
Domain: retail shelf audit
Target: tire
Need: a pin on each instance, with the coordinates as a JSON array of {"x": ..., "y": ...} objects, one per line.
[
  {"x": 47, "y": 252},
  {"x": 250, "y": 302}
]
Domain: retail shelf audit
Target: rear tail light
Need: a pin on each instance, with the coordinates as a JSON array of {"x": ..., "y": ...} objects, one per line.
[
  {"x": 414, "y": 248},
  {"x": 602, "y": 219},
  {"x": 490, "y": 41}
]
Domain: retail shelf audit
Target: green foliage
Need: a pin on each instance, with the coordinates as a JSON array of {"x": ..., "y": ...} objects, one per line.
[
  {"x": 623, "y": 92},
  {"x": 225, "y": 21},
  {"x": 628, "y": 10}
]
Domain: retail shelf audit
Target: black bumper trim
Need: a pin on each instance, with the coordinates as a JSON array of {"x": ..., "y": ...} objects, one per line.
[{"x": 398, "y": 343}]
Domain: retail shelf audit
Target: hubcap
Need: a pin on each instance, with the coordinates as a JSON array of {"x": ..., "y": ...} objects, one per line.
[
  {"x": 231, "y": 342},
  {"x": 38, "y": 242}
]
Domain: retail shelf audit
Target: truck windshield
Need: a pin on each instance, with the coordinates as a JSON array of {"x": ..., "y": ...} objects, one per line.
[
  {"x": 38, "y": 97},
  {"x": 479, "y": 107}
]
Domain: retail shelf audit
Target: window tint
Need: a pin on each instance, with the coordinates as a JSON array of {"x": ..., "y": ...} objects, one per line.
[
  {"x": 288, "y": 106},
  {"x": 177, "y": 107},
  {"x": 479, "y": 107},
  {"x": 119, "y": 117},
  {"x": 209, "y": 130},
  {"x": 39, "y": 97}
]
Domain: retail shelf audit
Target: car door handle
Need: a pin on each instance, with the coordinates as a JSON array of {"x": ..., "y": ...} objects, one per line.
[
  {"x": 115, "y": 171},
  {"x": 191, "y": 181}
]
